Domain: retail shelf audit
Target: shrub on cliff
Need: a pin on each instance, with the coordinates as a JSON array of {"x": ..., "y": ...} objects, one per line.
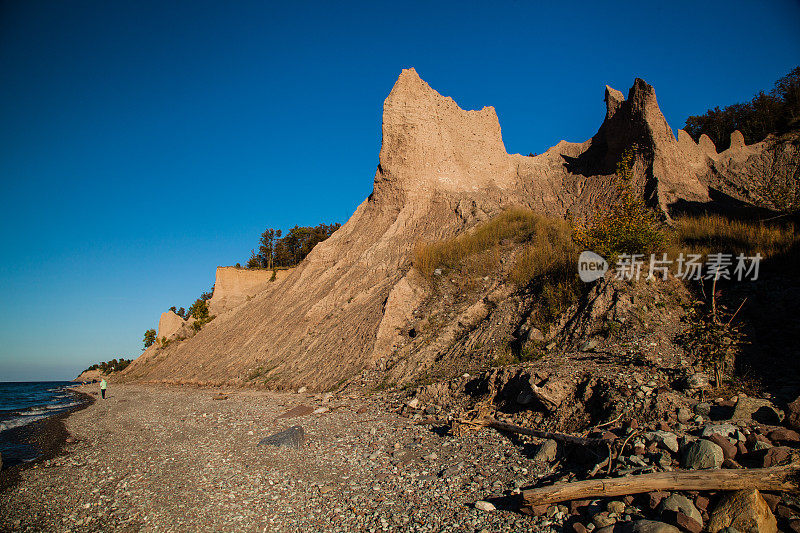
[
  {"x": 149, "y": 338},
  {"x": 627, "y": 225}
]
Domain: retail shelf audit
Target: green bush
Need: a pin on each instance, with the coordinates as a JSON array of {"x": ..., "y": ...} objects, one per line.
[
  {"x": 149, "y": 338},
  {"x": 627, "y": 225}
]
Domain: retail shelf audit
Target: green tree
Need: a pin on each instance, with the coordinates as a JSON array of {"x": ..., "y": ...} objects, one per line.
[
  {"x": 775, "y": 112},
  {"x": 149, "y": 338},
  {"x": 266, "y": 250}
]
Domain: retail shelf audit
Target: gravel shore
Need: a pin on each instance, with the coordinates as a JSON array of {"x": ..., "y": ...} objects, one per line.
[{"x": 175, "y": 459}]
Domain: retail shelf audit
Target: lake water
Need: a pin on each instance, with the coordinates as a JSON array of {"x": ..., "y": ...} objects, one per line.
[{"x": 22, "y": 403}]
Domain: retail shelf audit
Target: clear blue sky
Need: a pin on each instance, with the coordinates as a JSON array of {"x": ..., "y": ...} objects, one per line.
[{"x": 144, "y": 143}]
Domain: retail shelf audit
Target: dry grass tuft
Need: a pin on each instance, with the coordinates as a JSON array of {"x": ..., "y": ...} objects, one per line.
[{"x": 708, "y": 234}]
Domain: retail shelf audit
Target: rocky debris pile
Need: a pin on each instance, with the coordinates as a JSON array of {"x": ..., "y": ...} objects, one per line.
[{"x": 733, "y": 434}]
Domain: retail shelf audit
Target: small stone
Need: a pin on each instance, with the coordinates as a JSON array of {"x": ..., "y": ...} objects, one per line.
[
  {"x": 702, "y": 409},
  {"x": 784, "y": 436},
  {"x": 703, "y": 454},
  {"x": 482, "y": 505},
  {"x": 288, "y": 438},
  {"x": 687, "y": 523},
  {"x": 701, "y": 502},
  {"x": 761, "y": 445},
  {"x": 413, "y": 404},
  {"x": 665, "y": 439},
  {"x": 616, "y": 507},
  {"x": 744, "y": 510},
  {"x": 678, "y": 502},
  {"x": 301, "y": 390},
  {"x": 684, "y": 415},
  {"x": 777, "y": 456},
  {"x": 547, "y": 452},
  {"x": 726, "y": 430},
  {"x": 652, "y": 526},
  {"x": 602, "y": 520},
  {"x": 656, "y": 497},
  {"x": 728, "y": 449}
]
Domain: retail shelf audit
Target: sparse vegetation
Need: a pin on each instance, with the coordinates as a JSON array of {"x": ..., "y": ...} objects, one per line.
[
  {"x": 627, "y": 226},
  {"x": 515, "y": 225},
  {"x": 775, "y": 112},
  {"x": 149, "y": 338},
  {"x": 712, "y": 336},
  {"x": 708, "y": 234},
  {"x": 107, "y": 367},
  {"x": 288, "y": 250}
]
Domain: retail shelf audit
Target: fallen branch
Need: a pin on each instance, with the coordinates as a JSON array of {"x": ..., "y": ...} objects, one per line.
[
  {"x": 511, "y": 428},
  {"x": 781, "y": 478}
]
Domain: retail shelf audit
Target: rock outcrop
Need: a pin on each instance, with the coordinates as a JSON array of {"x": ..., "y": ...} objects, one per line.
[
  {"x": 234, "y": 286},
  {"x": 441, "y": 170}
]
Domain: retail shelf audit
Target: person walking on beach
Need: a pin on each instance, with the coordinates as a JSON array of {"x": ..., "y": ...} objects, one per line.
[{"x": 103, "y": 387}]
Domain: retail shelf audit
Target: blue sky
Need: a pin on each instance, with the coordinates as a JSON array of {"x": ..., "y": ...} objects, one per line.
[{"x": 144, "y": 143}]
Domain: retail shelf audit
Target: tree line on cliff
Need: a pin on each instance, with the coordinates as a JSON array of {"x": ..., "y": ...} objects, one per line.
[
  {"x": 276, "y": 250},
  {"x": 776, "y": 111}
]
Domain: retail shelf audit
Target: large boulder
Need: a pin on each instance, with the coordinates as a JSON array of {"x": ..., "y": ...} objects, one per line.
[
  {"x": 702, "y": 454},
  {"x": 750, "y": 410},
  {"x": 744, "y": 510}
]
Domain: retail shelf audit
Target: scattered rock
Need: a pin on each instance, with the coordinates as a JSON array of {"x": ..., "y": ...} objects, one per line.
[
  {"x": 547, "y": 452},
  {"x": 783, "y": 436},
  {"x": 744, "y": 510},
  {"x": 652, "y": 526},
  {"x": 758, "y": 410},
  {"x": 777, "y": 456},
  {"x": 601, "y": 520},
  {"x": 702, "y": 409},
  {"x": 616, "y": 507},
  {"x": 726, "y": 430},
  {"x": 703, "y": 454},
  {"x": 678, "y": 502},
  {"x": 288, "y": 438},
  {"x": 729, "y": 450},
  {"x": 665, "y": 439},
  {"x": 656, "y": 497},
  {"x": 793, "y": 418},
  {"x": 301, "y": 390},
  {"x": 687, "y": 523},
  {"x": 482, "y": 505}
]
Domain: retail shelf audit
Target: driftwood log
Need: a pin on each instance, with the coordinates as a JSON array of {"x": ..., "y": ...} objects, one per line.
[{"x": 780, "y": 478}]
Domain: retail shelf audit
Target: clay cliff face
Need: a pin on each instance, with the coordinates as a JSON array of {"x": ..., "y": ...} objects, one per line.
[
  {"x": 441, "y": 170},
  {"x": 234, "y": 286}
]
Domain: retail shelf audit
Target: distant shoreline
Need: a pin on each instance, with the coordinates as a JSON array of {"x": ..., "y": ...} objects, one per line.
[{"x": 47, "y": 435}]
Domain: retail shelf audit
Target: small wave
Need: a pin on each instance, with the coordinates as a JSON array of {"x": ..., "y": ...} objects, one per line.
[{"x": 17, "y": 422}]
